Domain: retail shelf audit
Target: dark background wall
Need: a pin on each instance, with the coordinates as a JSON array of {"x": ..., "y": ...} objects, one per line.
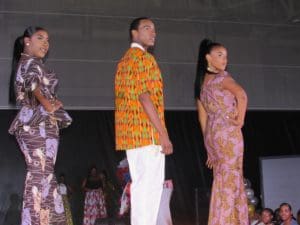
[
  {"x": 89, "y": 37},
  {"x": 90, "y": 140}
]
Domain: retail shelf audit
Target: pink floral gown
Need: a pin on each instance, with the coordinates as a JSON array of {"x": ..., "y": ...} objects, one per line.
[
  {"x": 37, "y": 133},
  {"x": 224, "y": 144}
]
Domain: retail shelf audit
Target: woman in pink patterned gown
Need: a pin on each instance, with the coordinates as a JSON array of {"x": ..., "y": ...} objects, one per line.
[{"x": 221, "y": 105}]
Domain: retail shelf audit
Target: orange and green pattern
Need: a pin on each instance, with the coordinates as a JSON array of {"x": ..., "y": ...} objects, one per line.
[{"x": 137, "y": 73}]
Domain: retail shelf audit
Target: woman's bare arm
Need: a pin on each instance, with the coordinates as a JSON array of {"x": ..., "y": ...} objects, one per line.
[
  {"x": 50, "y": 107},
  {"x": 202, "y": 116},
  {"x": 241, "y": 97}
]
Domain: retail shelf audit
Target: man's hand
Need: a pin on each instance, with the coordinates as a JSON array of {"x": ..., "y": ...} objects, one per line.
[
  {"x": 167, "y": 147},
  {"x": 150, "y": 110}
]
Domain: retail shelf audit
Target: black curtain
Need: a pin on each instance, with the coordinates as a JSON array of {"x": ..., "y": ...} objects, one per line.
[{"x": 90, "y": 141}]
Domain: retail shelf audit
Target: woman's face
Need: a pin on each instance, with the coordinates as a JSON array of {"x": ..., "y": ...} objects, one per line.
[
  {"x": 102, "y": 176},
  {"x": 62, "y": 179},
  {"x": 217, "y": 58},
  {"x": 266, "y": 217},
  {"x": 37, "y": 45},
  {"x": 94, "y": 171},
  {"x": 285, "y": 213}
]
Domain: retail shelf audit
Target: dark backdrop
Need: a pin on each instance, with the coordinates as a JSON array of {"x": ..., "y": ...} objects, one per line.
[
  {"x": 88, "y": 37},
  {"x": 90, "y": 140}
]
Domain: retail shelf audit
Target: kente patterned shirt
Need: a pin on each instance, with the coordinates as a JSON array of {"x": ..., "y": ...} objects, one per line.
[{"x": 137, "y": 73}]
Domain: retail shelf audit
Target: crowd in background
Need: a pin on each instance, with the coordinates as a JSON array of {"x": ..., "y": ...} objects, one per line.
[
  {"x": 283, "y": 215},
  {"x": 100, "y": 197}
]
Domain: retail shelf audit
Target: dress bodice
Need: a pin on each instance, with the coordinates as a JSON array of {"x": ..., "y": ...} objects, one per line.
[
  {"x": 218, "y": 102},
  {"x": 32, "y": 73}
]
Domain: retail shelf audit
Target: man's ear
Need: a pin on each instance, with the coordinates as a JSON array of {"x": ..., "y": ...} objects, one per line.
[{"x": 134, "y": 34}]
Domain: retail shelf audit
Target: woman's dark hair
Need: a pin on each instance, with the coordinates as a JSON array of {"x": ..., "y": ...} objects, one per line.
[
  {"x": 286, "y": 204},
  {"x": 205, "y": 48},
  {"x": 18, "y": 49},
  {"x": 134, "y": 25},
  {"x": 270, "y": 211}
]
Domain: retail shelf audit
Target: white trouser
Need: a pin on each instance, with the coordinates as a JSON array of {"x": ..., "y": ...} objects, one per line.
[
  {"x": 147, "y": 169},
  {"x": 164, "y": 214}
]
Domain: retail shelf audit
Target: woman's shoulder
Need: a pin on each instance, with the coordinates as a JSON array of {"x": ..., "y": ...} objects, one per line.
[
  {"x": 26, "y": 59},
  {"x": 293, "y": 222},
  {"x": 219, "y": 77},
  {"x": 31, "y": 63},
  {"x": 224, "y": 76}
]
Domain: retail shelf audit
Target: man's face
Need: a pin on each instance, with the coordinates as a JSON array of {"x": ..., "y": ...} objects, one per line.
[{"x": 145, "y": 34}]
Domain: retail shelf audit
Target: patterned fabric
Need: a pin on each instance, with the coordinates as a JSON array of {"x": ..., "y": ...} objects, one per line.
[
  {"x": 68, "y": 212},
  {"x": 94, "y": 206},
  {"x": 164, "y": 213},
  {"x": 111, "y": 196},
  {"x": 31, "y": 74},
  {"x": 224, "y": 144},
  {"x": 63, "y": 190},
  {"x": 37, "y": 133},
  {"x": 137, "y": 73},
  {"x": 125, "y": 200}
]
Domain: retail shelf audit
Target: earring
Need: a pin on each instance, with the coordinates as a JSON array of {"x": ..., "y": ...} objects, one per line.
[
  {"x": 27, "y": 44},
  {"x": 210, "y": 68}
]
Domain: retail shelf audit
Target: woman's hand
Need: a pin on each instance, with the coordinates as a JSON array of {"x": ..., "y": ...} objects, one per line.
[
  {"x": 241, "y": 100},
  {"x": 210, "y": 162},
  {"x": 236, "y": 122},
  {"x": 57, "y": 104},
  {"x": 54, "y": 106}
]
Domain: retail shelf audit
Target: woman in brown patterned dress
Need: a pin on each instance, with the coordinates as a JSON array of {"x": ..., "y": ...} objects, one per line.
[{"x": 36, "y": 127}]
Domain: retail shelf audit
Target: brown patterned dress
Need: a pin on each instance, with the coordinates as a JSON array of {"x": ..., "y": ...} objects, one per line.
[{"x": 37, "y": 133}]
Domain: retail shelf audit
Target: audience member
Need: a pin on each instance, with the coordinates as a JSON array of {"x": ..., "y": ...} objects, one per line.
[{"x": 286, "y": 214}]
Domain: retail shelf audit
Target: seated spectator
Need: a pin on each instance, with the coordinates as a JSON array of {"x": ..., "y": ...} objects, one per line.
[
  {"x": 267, "y": 217},
  {"x": 286, "y": 215},
  {"x": 298, "y": 216},
  {"x": 254, "y": 218},
  {"x": 276, "y": 218}
]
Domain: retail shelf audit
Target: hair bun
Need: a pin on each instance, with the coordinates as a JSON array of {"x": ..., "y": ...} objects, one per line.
[{"x": 205, "y": 43}]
